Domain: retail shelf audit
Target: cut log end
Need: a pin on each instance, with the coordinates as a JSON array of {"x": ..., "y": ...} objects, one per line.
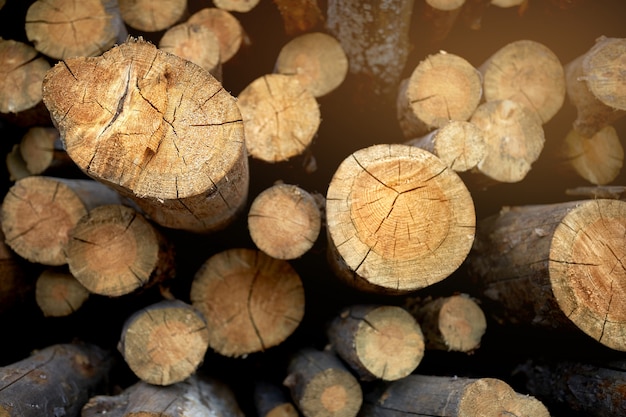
[
  {"x": 164, "y": 343},
  {"x": 281, "y": 117},
  {"x": 586, "y": 273},
  {"x": 389, "y": 207},
  {"x": 252, "y": 301},
  {"x": 123, "y": 116}
]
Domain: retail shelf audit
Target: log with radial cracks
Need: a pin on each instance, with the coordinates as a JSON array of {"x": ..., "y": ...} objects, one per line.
[
  {"x": 156, "y": 127},
  {"x": 251, "y": 301},
  {"x": 557, "y": 266},
  {"x": 164, "y": 343},
  {"x": 398, "y": 219}
]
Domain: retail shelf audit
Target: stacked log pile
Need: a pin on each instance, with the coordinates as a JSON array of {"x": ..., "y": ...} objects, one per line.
[{"x": 315, "y": 208}]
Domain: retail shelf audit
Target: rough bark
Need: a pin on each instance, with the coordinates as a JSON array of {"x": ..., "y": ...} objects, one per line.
[
  {"x": 165, "y": 342},
  {"x": 443, "y": 87},
  {"x": 426, "y": 395},
  {"x": 556, "y": 266},
  {"x": 321, "y": 386},
  {"x": 39, "y": 212},
  {"x": 375, "y": 38},
  {"x": 56, "y": 380},
  {"x": 198, "y": 395},
  {"x": 157, "y": 128},
  {"x": 398, "y": 219},
  {"x": 377, "y": 341},
  {"x": 251, "y": 301},
  {"x": 593, "y": 389},
  {"x": 281, "y": 117},
  {"x": 316, "y": 59},
  {"x": 63, "y": 29},
  {"x": 113, "y": 250},
  {"x": 527, "y": 72}
]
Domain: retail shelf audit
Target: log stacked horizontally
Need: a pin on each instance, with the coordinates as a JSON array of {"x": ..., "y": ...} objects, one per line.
[{"x": 312, "y": 208}]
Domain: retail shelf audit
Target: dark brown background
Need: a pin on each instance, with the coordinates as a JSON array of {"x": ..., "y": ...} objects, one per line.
[{"x": 350, "y": 120}]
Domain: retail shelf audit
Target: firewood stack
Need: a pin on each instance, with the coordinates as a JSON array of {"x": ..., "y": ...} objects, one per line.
[{"x": 315, "y": 208}]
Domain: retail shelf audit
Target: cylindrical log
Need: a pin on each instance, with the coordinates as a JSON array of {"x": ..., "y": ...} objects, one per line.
[
  {"x": 195, "y": 43},
  {"x": 58, "y": 293},
  {"x": 398, "y": 219},
  {"x": 426, "y": 395},
  {"x": 20, "y": 86},
  {"x": 227, "y": 28},
  {"x": 152, "y": 16},
  {"x": 39, "y": 212},
  {"x": 284, "y": 221},
  {"x": 505, "y": 4},
  {"x": 458, "y": 143},
  {"x": 375, "y": 38},
  {"x": 281, "y": 117},
  {"x": 377, "y": 341},
  {"x": 271, "y": 400},
  {"x": 64, "y": 29},
  {"x": 321, "y": 386},
  {"x": 514, "y": 139},
  {"x": 595, "y": 85},
  {"x": 239, "y": 6},
  {"x": 113, "y": 250},
  {"x": 454, "y": 323},
  {"x": 527, "y": 72},
  {"x": 440, "y": 16},
  {"x": 316, "y": 59},
  {"x": 41, "y": 149},
  {"x": 443, "y": 87},
  {"x": 165, "y": 342},
  {"x": 198, "y": 395},
  {"x": 556, "y": 266},
  {"x": 598, "y": 159},
  {"x": 616, "y": 192},
  {"x": 55, "y": 381},
  {"x": 251, "y": 301},
  {"x": 300, "y": 16},
  {"x": 588, "y": 388},
  {"x": 157, "y": 128}
]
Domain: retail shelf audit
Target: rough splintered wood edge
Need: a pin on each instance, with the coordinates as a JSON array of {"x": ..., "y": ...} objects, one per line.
[
  {"x": 179, "y": 184},
  {"x": 368, "y": 190}
]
